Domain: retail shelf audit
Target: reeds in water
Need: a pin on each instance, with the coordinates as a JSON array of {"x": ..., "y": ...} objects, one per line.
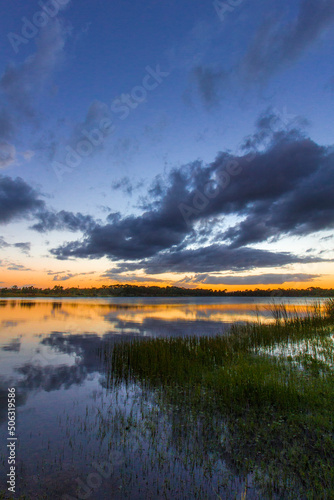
[{"x": 270, "y": 386}]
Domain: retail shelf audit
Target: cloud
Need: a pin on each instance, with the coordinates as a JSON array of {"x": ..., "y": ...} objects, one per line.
[
  {"x": 126, "y": 185},
  {"x": 283, "y": 188},
  {"x": 51, "y": 378},
  {"x": 129, "y": 278},
  {"x": 17, "y": 199},
  {"x": 270, "y": 123},
  {"x": 209, "y": 83},
  {"x": 21, "y": 84},
  {"x": 326, "y": 238},
  {"x": 3, "y": 243},
  {"x": 50, "y": 220},
  {"x": 130, "y": 237},
  {"x": 260, "y": 279},
  {"x": 7, "y": 154},
  {"x": 13, "y": 346},
  {"x": 84, "y": 348},
  {"x": 306, "y": 209},
  {"x": 278, "y": 43},
  {"x": 17, "y": 267},
  {"x": 213, "y": 258},
  {"x": 24, "y": 246},
  {"x": 64, "y": 277},
  {"x": 91, "y": 126}
]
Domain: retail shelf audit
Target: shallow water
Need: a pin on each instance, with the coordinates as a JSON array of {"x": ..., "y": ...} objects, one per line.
[{"x": 69, "y": 421}]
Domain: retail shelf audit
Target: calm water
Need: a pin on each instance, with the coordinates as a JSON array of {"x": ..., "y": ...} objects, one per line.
[{"x": 70, "y": 424}]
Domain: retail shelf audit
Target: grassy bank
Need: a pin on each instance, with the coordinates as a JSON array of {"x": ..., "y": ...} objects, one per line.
[{"x": 259, "y": 400}]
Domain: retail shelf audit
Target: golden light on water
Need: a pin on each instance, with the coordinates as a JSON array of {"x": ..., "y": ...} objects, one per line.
[{"x": 39, "y": 317}]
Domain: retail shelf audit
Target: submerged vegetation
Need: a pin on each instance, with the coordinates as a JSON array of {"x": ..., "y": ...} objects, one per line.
[{"x": 251, "y": 408}]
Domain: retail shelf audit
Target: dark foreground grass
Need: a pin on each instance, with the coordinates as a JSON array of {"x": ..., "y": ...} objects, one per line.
[{"x": 262, "y": 397}]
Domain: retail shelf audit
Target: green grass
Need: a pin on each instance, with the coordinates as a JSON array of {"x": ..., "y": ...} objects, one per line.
[{"x": 262, "y": 397}]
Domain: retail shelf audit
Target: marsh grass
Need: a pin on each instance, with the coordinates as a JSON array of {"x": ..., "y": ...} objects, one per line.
[{"x": 260, "y": 398}]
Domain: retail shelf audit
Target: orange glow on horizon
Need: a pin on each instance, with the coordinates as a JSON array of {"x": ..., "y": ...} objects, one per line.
[
  {"x": 42, "y": 280},
  {"x": 90, "y": 276}
]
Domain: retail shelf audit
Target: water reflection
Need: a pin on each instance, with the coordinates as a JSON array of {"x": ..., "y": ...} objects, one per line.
[
  {"x": 14, "y": 345},
  {"x": 50, "y": 351},
  {"x": 143, "y": 316}
]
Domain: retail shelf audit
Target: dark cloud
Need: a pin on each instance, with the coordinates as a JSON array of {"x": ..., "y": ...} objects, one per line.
[
  {"x": 284, "y": 188},
  {"x": 51, "y": 378},
  {"x": 17, "y": 267},
  {"x": 13, "y": 346},
  {"x": 217, "y": 257},
  {"x": 17, "y": 199},
  {"x": 260, "y": 279},
  {"x": 209, "y": 83},
  {"x": 326, "y": 238},
  {"x": 270, "y": 124},
  {"x": 24, "y": 246},
  {"x": 113, "y": 274},
  {"x": 278, "y": 43},
  {"x": 126, "y": 185},
  {"x": 50, "y": 220},
  {"x": 136, "y": 237},
  {"x": 84, "y": 348},
  {"x": 97, "y": 111},
  {"x": 8, "y": 324},
  {"x": 306, "y": 209},
  {"x": 64, "y": 277}
]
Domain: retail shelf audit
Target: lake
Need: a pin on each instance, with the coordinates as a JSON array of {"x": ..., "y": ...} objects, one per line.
[{"x": 79, "y": 436}]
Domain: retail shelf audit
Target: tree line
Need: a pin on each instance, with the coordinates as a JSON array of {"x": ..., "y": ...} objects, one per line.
[{"x": 128, "y": 290}]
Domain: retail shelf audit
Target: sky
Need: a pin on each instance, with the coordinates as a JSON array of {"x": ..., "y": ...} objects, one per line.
[{"x": 167, "y": 143}]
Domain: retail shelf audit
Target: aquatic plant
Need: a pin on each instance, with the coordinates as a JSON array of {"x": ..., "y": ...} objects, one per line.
[{"x": 260, "y": 398}]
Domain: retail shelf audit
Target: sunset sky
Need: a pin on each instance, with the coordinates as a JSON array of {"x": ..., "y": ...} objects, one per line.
[{"x": 180, "y": 142}]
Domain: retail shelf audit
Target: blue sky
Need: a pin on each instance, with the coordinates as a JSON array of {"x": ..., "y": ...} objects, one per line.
[{"x": 114, "y": 117}]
